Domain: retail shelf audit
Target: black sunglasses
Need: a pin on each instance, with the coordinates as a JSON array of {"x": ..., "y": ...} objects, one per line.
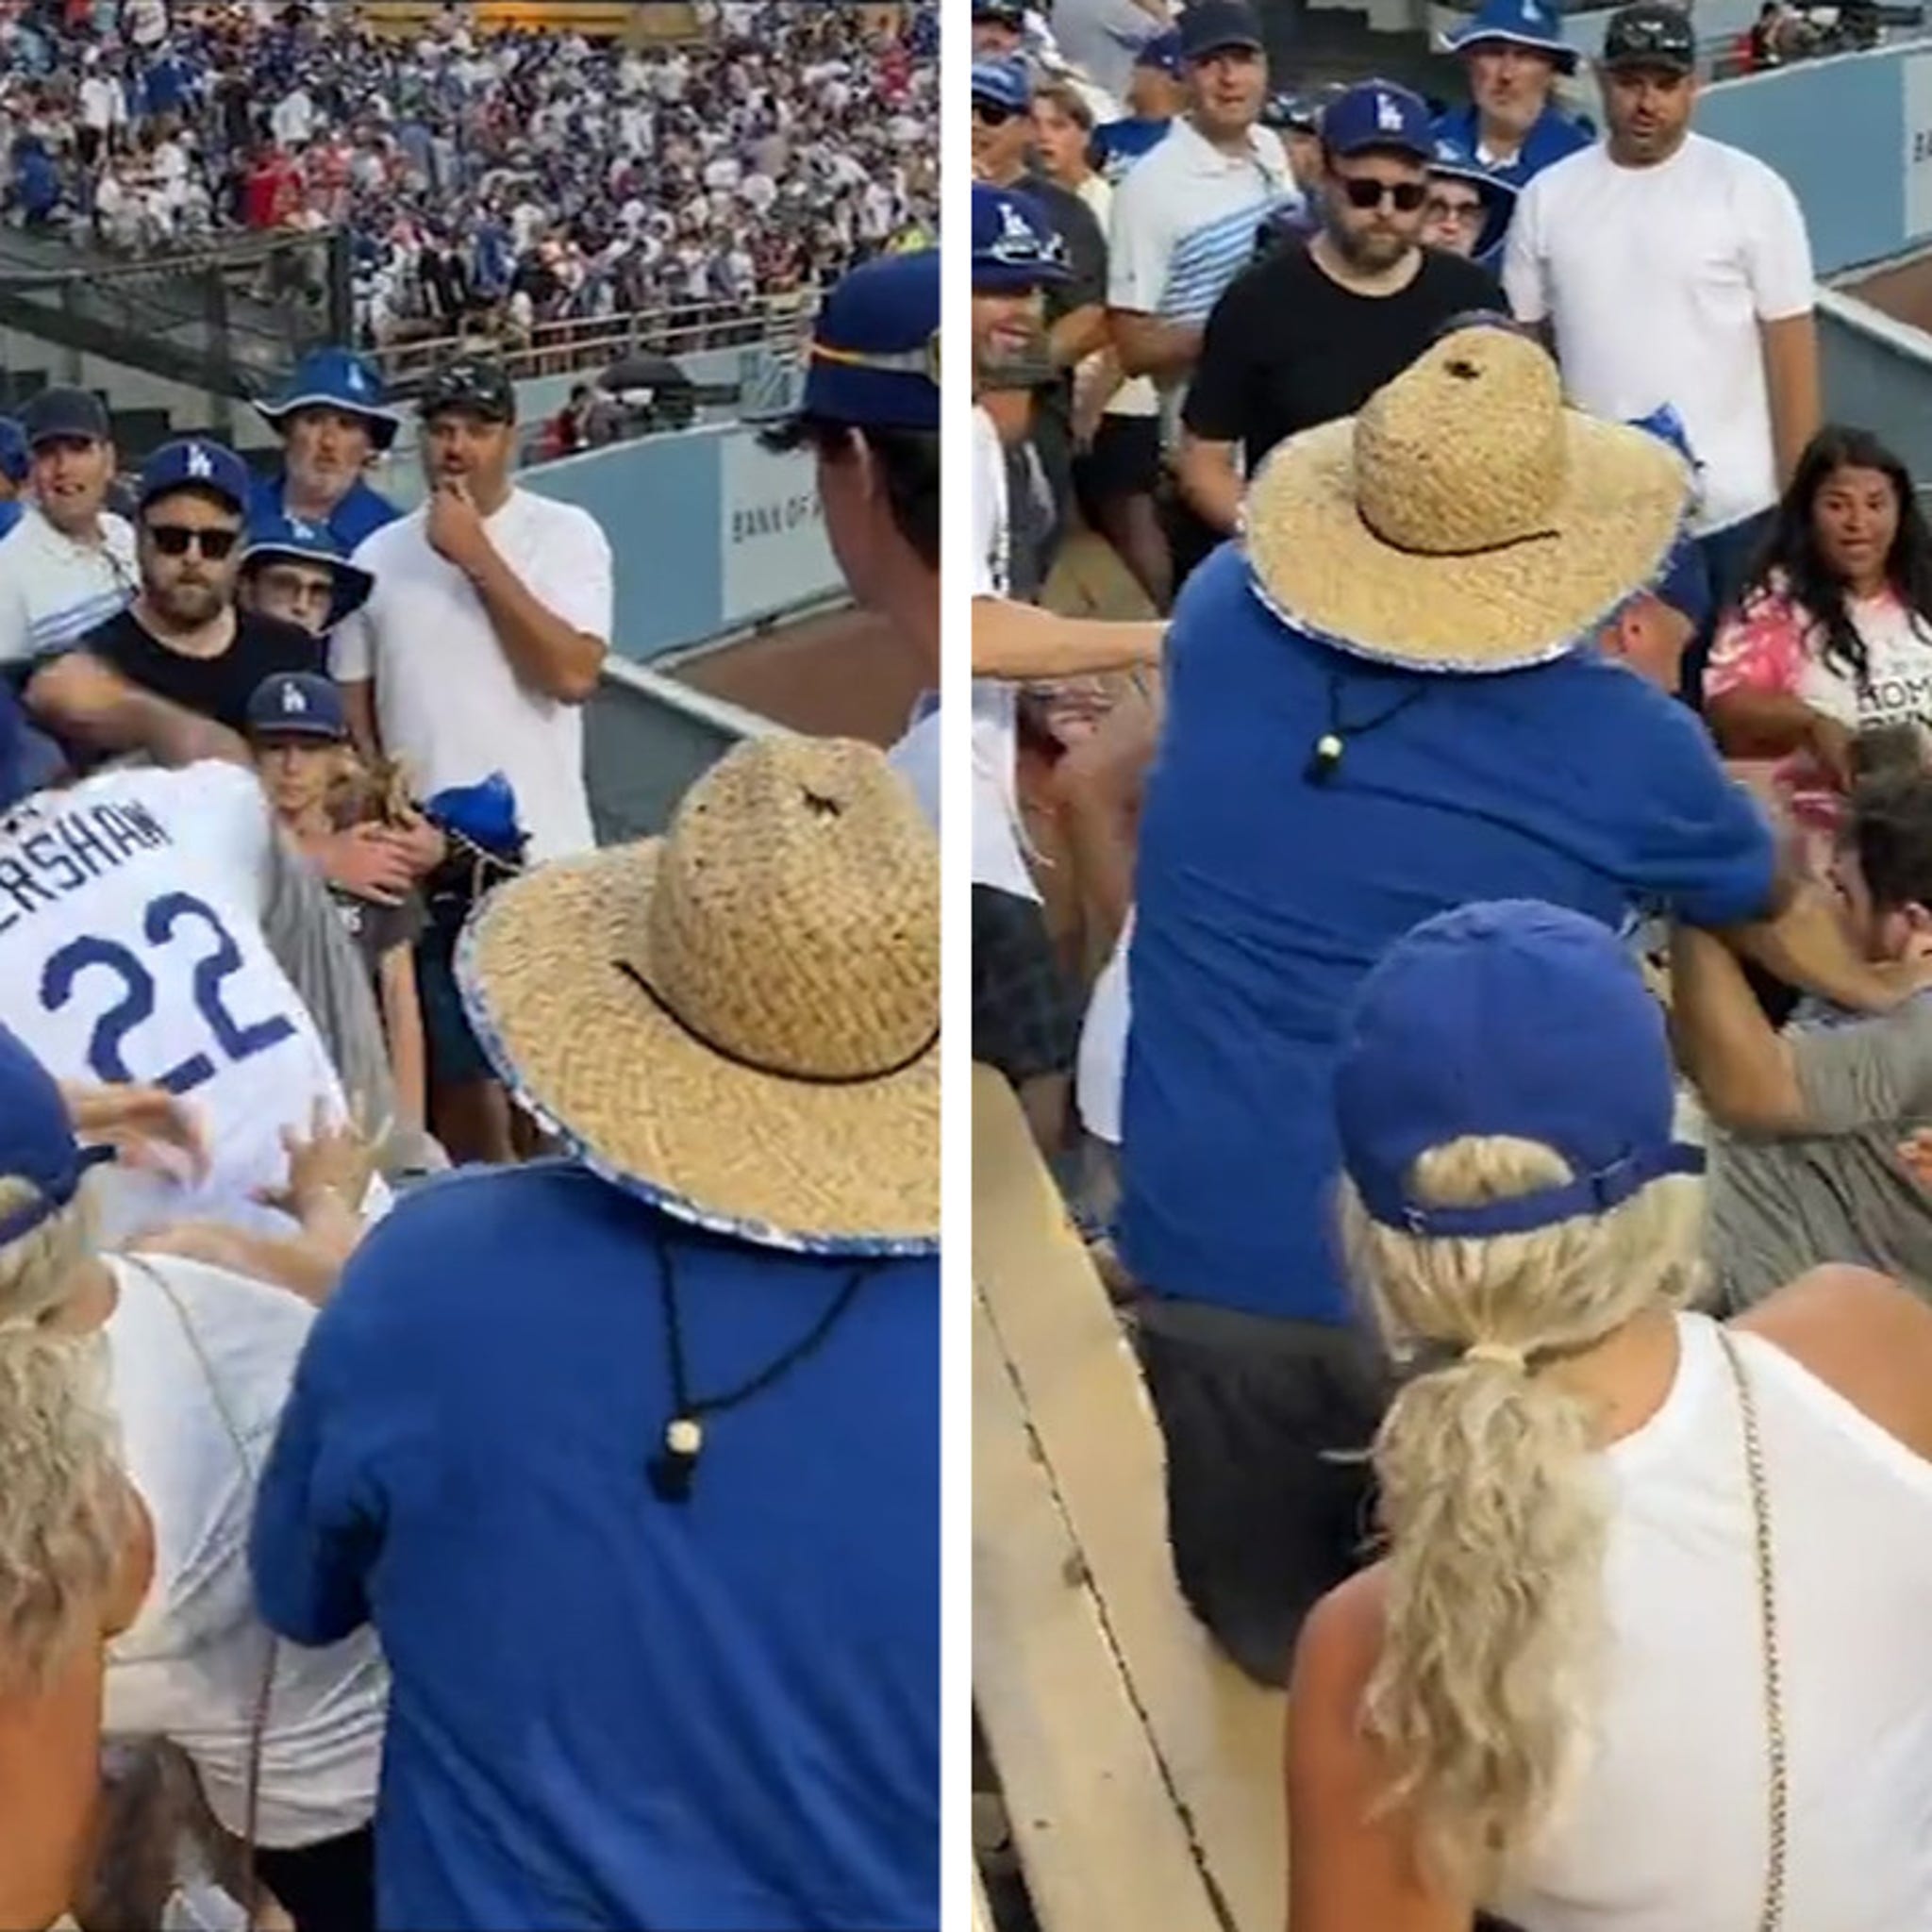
[
  {"x": 176, "y": 540},
  {"x": 992, "y": 114},
  {"x": 1406, "y": 196}
]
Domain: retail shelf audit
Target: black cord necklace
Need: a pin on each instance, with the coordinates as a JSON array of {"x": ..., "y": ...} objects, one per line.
[
  {"x": 1325, "y": 759},
  {"x": 673, "y": 1468}
]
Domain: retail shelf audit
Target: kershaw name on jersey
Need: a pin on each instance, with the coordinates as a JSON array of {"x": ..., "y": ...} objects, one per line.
[{"x": 69, "y": 850}]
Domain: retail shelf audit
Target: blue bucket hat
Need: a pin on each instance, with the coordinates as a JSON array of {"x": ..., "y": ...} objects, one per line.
[
  {"x": 1450, "y": 157},
  {"x": 15, "y": 458},
  {"x": 298, "y": 704},
  {"x": 874, "y": 360},
  {"x": 1532, "y": 24},
  {"x": 336, "y": 379},
  {"x": 291, "y": 537},
  {"x": 37, "y": 1142},
  {"x": 1014, "y": 246},
  {"x": 1507, "y": 1018}
]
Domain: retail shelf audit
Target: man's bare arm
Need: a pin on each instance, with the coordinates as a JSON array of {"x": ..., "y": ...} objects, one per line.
[
  {"x": 1791, "y": 384},
  {"x": 1150, "y": 345},
  {"x": 546, "y": 652},
  {"x": 85, "y": 700},
  {"x": 1743, "y": 1070},
  {"x": 1017, "y": 641},
  {"x": 358, "y": 701},
  {"x": 1079, "y": 335},
  {"x": 1210, "y": 480}
]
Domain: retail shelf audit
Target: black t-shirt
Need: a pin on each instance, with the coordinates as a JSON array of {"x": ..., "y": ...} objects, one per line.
[
  {"x": 1287, "y": 347},
  {"x": 217, "y": 688}
]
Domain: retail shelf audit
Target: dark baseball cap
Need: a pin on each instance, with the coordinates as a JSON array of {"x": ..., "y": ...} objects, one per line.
[
  {"x": 1213, "y": 26},
  {"x": 194, "y": 462},
  {"x": 473, "y": 383},
  {"x": 1379, "y": 115},
  {"x": 65, "y": 415},
  {"x": 1651, "y": 33},
  {"x": 298, "y": 704}
]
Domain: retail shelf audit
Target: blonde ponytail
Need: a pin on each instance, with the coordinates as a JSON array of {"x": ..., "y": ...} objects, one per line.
[{"x": 1492, "y": 1500}]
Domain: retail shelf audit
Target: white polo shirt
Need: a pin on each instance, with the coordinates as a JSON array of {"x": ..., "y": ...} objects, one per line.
[
  {"x": 1185, "y": 220},
  {"x": 53, "y": 589},
  {"x": 448, "y": 702},
  {"x": 1655, "y": 281}
]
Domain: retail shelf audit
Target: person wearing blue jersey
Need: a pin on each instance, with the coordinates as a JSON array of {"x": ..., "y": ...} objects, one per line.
[
  {"x": 332, "y": 418},
  {"x": 1156, "y": 91},
  {"x": 1512, "y": 52},
  {"x": 15, "y": 463},
  {"x": 631, "y": 1458}
]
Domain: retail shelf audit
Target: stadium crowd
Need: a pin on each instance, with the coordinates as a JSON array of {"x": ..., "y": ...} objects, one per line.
[
  {"x": 487, "y": 183},
  {"x": 1517, "y": 806},
  {"x": 428, "y": 1235}
]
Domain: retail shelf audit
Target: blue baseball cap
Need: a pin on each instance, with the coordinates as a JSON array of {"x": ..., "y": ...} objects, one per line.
[
  {"x": 1010, "y": 13},
  {"x": 1014, "y": 246},
  {"x": 65, "y": 415},
  {"x": 874, "y": 360},
  {"x": 37, "y": 1142},
  {"x": 1215, "y": 26},
  {"x": 1378, "y": 116},
  {"x": 1007, "y": 84},
  {"x": 15, "y": 458},
  {"x": 194, "y": 462},
  {"x": 1532, "y": 24},
  {"x": 298, "y": 704},
  {"x": 1683, "y": 583},
  {"x": 336, "y": 379},
  {"x": 1513, "y": 1018},
  {"x": 278, "y": 535},
  {"x": 1162, "y": 52}
]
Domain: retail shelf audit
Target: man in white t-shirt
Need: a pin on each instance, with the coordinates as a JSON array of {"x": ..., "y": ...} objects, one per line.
[
  {"x": 1706, "y": 246},
  {"x": 485, "y": 635},
  {"x": 1024, "y": 1020}
]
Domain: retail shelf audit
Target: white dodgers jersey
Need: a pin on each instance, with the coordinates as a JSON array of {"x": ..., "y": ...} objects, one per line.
[{"x": 131, "y": 949}]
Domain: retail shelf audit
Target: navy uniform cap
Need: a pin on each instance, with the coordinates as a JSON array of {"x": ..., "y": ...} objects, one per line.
[
  {"x": 875, "y": 355},
  {"x": 195, "y": 462}
]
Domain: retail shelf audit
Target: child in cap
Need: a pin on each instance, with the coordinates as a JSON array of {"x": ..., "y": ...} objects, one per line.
[{"x": 318, "y": 785}]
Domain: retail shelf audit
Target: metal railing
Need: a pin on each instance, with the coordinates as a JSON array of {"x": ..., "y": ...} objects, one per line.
[{"x": 775, "y": 322}]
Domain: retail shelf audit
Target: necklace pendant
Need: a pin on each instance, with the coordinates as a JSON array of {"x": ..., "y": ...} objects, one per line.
[{"x": 1324, "y": 759}]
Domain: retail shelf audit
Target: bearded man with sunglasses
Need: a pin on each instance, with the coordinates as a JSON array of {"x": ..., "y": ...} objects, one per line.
[
  {"x": 1309, "y": 333},
  {"x": 181, "y": 651}
]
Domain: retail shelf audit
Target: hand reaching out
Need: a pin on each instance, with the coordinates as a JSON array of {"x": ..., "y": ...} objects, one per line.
[
  {"x": 332, "y": 1160},
  {"x": 148, "y": 1127}
]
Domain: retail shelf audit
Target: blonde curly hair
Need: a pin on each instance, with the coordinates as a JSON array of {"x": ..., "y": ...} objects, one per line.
[
  {"x": 1492, "y": 1501},
  {"x": 64, "y": 1506}
]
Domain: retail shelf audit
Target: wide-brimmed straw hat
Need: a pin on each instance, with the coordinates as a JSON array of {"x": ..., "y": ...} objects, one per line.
[
  {"x": 740, "y": 1021},
  {"x": 1465, "y": 520}
]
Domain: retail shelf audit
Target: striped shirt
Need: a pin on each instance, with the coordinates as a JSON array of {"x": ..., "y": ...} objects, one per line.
[
  {"x": 1185, "y": 220},
  {"x": 54, "y": 590}
]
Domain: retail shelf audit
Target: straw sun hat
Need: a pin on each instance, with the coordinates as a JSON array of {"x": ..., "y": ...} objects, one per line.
[
  {"x": 740, "y": 1021},
  {"x": 1465, "y": 520}
]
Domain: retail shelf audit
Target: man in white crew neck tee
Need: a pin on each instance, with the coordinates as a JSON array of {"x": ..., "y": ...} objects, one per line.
[{"x": 1707, "y": 246}]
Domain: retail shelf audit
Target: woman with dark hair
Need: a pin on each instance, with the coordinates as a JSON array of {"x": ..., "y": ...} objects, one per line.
[{"x": 1834, "y": 631}]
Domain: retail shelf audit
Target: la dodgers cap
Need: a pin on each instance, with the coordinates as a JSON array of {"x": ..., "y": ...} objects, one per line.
[
  {"x": 1533, "y": 24},
  {"x": 874, "y": 360},
  {"x": 1014, "y": 246},
  {"x": 194, "y": 462},
  {"x": 298, "y": 704},
  {"x": 294, "y": 538},
  {"x": 1007, "y": 84},
  {"x": 37, "y": 1142},
  {"x": 1162, "y": 52},
  {"x": 1379, "y": 115},
  {"x": 1508, "y": 1017},
  {"x": 334, "y": 379}
]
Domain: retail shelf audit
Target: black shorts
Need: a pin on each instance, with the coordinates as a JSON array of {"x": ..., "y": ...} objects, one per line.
[
  {"x": 1025, "y": 1019},
  {"x": 1270, "y": 1500},
  {"x": 1124, "y": 461}
]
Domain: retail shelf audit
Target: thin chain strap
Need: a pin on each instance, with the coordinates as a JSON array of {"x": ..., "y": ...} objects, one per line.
[
  {"x": 251, "y": 1904},
  {"x": 1774, "y": 1913}
]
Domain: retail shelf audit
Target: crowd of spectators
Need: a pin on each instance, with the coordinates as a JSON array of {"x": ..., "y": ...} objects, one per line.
[
  {"x": 1529, "y": 656},
  {"x": 484, "y": 183}
]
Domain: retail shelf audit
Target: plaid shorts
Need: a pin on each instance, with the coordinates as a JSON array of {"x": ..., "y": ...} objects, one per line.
[{"x": 1025, "y": 1019}]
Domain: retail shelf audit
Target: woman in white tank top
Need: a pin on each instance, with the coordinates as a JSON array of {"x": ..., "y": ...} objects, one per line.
[{"x": 1647, "y": 1649}]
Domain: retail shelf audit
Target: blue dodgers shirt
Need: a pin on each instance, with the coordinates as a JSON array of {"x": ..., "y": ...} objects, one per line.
[
  {"x": 1261, "y": 900},
  {"x": 1553, "y": 135},
  {"x": 609, "y": 1710},
  {"x": 361, "y": 513}
]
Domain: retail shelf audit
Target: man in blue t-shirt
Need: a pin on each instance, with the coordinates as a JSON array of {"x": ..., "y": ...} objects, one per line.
[
  {"x": 333, "y": 418},
  {"x": 1512, "y": 52},
  {"x": 1364, "y": 730},
  {"x": 632, "y": 1459}
]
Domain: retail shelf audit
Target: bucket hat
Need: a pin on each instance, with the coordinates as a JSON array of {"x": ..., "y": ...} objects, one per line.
[
  {"x": 1465, "y": 520},
  {"x": 335, "y": 379},
  {"x": 738, "y": 1022}
]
